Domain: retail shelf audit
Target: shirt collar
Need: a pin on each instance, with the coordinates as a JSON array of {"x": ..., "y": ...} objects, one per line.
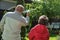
[{"x": 17, "y": 12}]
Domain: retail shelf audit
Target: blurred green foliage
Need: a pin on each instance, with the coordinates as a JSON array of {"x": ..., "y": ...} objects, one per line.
[{"x": 51, "y": 8}]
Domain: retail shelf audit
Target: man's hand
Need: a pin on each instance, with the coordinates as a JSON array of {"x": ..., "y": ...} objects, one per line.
[{"x": 28, "y": 14}]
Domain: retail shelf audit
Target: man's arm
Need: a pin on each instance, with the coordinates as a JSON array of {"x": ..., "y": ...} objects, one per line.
[
  {"x": 2, "y": 22},
  {"x": 25, "y": 21}
]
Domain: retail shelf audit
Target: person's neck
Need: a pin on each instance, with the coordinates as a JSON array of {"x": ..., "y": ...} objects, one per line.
[
  {"x": 42, "y": 24},
  {"x": 18, "y": 12}
]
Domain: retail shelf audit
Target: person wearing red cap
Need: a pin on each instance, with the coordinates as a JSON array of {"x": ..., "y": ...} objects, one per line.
[{"x": 40, "y": 31}]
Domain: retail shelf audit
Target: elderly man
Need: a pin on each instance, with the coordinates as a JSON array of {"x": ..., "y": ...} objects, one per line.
[
  {"x": 12, "y": 22},
  {"x": 40, "y": 31}
]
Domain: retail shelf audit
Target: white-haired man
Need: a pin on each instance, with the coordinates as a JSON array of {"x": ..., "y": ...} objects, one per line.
[
  {"x": 12, "y": 22},
  {"x": 40, "y": 31}
]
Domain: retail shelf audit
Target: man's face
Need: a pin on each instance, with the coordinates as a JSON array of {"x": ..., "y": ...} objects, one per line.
[{"x": 20, "y": 9}]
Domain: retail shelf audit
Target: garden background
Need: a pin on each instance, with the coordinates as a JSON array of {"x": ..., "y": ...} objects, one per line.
[{"x": 51, "y": 8}]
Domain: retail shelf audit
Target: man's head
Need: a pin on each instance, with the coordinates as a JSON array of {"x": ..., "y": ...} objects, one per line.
[
  {"x": 43, "y": 20},
  {"x": 19, "y": 8}
]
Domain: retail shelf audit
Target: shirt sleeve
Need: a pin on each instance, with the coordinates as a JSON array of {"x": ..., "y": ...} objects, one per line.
[
  {"x": 2, "y": 22},
  {"x": 25, "y": 21},
  {"x": 31, "y": 35}
]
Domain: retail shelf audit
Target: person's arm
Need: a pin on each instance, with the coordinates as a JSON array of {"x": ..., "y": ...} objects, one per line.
[
  {"x": 2, "y": 22},
  {"x": 31, "y": 35},
  {"x": 25, "y": 21}
]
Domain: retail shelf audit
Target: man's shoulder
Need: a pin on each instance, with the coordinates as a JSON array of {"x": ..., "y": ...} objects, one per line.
[
  {"x": 8, "y": 13},
  {"x": 38, "y": 26},
  {"x": 35, "y": 27}
]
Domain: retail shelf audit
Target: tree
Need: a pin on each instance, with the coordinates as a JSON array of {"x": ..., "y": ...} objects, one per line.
[{"x": 51, "y": 8}]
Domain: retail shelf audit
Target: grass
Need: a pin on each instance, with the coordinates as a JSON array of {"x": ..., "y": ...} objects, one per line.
[{"x": 52, "y": 37}]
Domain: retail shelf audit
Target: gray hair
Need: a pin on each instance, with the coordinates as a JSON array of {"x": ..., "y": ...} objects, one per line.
[
  {"x": 43, "y": 20},
  {"x": 43, "y": 17},
  {"x": 19, "y": 6}
]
